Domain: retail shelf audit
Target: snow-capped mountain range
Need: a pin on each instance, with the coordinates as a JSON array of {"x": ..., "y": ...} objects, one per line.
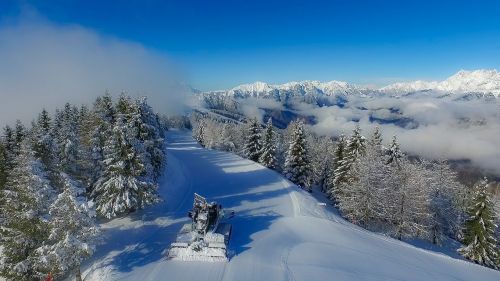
[{"x": 477, "y": 81}]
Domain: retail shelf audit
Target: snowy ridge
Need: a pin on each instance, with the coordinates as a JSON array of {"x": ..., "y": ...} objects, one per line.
[
  {"x": 482, "y": 81},
  {"x": 302, "y": 88},
  {"x": 476, "y": 81}
]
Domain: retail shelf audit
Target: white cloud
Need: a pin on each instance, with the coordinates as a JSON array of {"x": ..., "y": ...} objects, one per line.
[
  {"x": 45, "y": 65},
  {"x": 447, "y": 128}
]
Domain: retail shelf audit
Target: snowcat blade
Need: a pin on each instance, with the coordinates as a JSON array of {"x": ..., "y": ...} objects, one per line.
[{"x": 208, "y": 254}]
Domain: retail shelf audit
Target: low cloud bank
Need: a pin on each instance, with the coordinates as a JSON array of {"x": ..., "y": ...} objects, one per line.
[
  {"x": 428, "y": 126},
  {"x": 45, "y": 65}
]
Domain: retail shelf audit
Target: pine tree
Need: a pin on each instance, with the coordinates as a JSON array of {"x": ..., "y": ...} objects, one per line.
[
  {"x": 84, "y": 126},
  {"x": 124, "y": 185},
  {"x": 406, "y": 203},
  {"x": 297, "y": 165},
  {"x": 3, "y": 167},
  {"x": 362, "y": 202},
  {"x": 253, "y": 141},
  {"x": 355, "y": 148},
  {"x": 320, "y": 154},
  {"x": 7, "y": 157},
  {"x": 337, "y": 175},
  {"x": 480, "y": 245},
  {"x": 27, "y": 197},
  {"x": 226, "y": 141},
  {"x": 268, "y": 151},
  {"x": 443, "y": 205},
  {"x": 101, "y": 121},
  {"x": 357, "y": 144},
  {"x": 73, "y": 230},
  {"x": 394, "y": 153},
  {"x": 376, "y": 140},
  {"x": 199, "y": 131},
  {"x": 150, "y": 134},
  {"x": 43, "y": 141},
  {"x": 67, "y": 139},
  {"x": 19, "y": 134}
]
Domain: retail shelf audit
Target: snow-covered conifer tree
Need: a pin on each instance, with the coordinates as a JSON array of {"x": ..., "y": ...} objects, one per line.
[
  {"x": 226, "y": 140},
  {"x": 73, "y": 230},
  {"x": 356, "y": 145},
  {"x": 124, "y": 185},
  {"x": 445, "y": 212},
  {"x": 150, "y": 134},
  {"x": 337, "y": 173},
  {"x": 9, "y": 152},
  {"x": 320, "y": 150},
  {"x": 101, "y": 121},
  {"x": 268, "y": 151},
  {"x": 394, "y": 153},
  {"x": 297, "y": 165},
  {"x": 3, "y": 167},
  {"x": 19, "y": 134},
  {"x": 363, "y": 200},
  {"x": 43, "y": 141},
  {"x": 407, "y": 200},
  {"x": 253, "y": 141},
  {"x": 27, "y": 197},
  {"x": 376, "y": 140},
  {"x": 480, "y": 245},
  {"x": 67, "y": 138},
  {"x": 355, "y": 148},
  {"x": 199, "y": 131}
]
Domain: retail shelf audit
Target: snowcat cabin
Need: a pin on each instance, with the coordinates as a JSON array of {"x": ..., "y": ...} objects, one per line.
[{"x": 212, "y": 215}]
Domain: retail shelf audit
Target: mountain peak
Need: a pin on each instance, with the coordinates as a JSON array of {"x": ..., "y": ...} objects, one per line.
[{"x": 480, "y": 81}]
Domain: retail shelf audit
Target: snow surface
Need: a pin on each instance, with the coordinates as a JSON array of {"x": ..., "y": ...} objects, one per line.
[{"x": 279, "y": 231}]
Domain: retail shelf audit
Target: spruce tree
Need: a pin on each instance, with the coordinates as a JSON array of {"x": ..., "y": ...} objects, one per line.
[
  {"x": 376, "y": 140},
  {"x": 27, "y": 198},
  {"x": 150, "y": 134},
  {"x": 73, "y": 230},
  {"x": 406, "y": 202},
  {"x": 337, "y": 175},
  {"x": 253, "y": 141},
  {"x": 199, "y": 131},
  {"x": 68, "y": 140},
  {"x": 101, "y": 121},
  {"x": 394, "y": 153},
  {"x": 357, "y": 144},
  {"x": 445, "y": 212},
  {"x": 3, "y": 166},
  {"x": 124, "y": 186},
  {"x": 268, "y": 151},
  {"x": 297, "y": 165},
  {"x": 19, "y": 134},
  {"x": 355, "y": 148},
  {"x": 363, "y": 201},
  {"x": 480, "y": 245},
  {"x": 43, "y": 141}
]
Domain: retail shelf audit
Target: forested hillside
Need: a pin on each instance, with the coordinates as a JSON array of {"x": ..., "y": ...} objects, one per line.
[
  {"x": 373, "y": 185},
  {"x": 65, "y": 168}
]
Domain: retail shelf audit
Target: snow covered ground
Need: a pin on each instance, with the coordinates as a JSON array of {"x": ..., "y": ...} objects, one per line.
[{"x": 279, "y": 232}]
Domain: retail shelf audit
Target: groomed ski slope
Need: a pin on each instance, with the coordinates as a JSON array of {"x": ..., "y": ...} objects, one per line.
[{"x": 279, "y": 232}]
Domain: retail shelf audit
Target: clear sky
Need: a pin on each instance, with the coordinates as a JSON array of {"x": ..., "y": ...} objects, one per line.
[{"x": 221, "y": 44}]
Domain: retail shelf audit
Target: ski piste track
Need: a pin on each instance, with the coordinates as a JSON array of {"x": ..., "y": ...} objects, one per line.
[{"x": 280, "y": 232}]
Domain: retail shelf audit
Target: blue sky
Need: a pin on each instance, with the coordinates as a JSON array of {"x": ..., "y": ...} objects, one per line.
[{"x": 220, "y": 44}]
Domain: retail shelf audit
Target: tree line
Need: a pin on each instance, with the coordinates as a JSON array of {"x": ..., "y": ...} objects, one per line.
[
  {"x": 61, "y": 172},
  {"x": 374, "y": 186}
]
